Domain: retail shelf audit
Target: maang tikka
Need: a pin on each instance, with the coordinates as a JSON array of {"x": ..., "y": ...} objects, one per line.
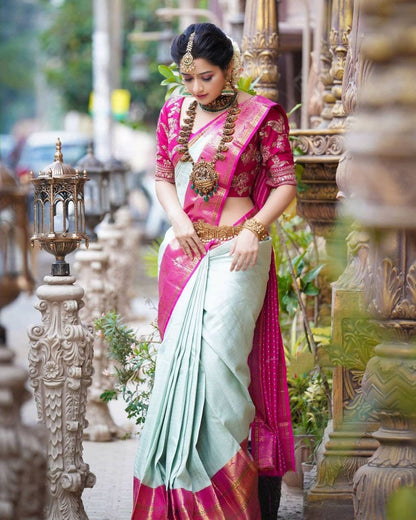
[{"x": 187, "y": 64}]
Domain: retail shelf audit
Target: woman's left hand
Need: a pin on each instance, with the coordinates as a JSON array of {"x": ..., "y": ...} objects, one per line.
[{"x": 244, "y": 251}]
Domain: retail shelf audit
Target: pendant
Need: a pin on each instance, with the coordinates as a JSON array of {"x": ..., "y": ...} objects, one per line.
[{"x": 204, "y": 179}]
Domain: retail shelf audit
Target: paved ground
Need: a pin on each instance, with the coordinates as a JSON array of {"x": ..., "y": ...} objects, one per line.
[{"x": 112, "y": 462}]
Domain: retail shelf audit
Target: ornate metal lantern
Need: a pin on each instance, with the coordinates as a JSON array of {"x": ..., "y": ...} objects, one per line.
[
  {"x": 118, "y": 185},
  {"x": 59, "y": 210},
  {"x": 96, "y": 192},
  {"x": 14, "y": 237}
]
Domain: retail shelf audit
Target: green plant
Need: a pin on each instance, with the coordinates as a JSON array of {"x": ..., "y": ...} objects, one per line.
[
  {"x": 134, "y": 364},
  {"x": 309, "y": 410},
  {"x": 298, "y": 267}
]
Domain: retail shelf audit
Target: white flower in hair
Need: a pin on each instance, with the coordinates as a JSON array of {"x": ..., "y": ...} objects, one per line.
[{"x": 237, "y": 67}]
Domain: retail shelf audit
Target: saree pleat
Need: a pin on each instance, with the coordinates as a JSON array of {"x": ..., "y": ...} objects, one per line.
[{"x": 192, "y": 455}]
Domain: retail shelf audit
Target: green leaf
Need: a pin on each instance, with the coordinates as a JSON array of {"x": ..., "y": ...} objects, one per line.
[
  {"x": 296, "y": 107},
  {"x": 313, "y": 273},
  {"x": 166, "y": 71},
  {"x": 310, "y": 290},
  {"x": 108, "y": 395}
]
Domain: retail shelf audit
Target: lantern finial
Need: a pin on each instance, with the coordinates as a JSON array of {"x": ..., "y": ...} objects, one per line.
[{"x": 58, "y": 154}]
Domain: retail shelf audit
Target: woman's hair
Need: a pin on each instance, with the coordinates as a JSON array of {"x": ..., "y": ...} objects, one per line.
[{"x": 210, "y": 43}]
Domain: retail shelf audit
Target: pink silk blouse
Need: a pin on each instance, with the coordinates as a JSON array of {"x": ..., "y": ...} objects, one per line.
[{"x": 269, "y": 148}]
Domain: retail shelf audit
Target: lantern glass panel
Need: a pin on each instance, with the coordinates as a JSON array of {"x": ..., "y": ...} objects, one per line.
[
  {"x": 70, "y": 216},
  {"x": 92, "y": 196},
  {"x": 105, "y": 194},
  {"x": 58, "y": 219},
  {"x": 117, "y": 189},
  {"x": 45, "y": 224}
]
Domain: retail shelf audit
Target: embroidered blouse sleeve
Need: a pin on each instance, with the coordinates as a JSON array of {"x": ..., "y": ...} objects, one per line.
[
  {"x": 164, "y": 167},
  {"x": 277, "y": 156}
]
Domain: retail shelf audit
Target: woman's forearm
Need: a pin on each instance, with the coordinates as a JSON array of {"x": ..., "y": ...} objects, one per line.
[
  {"x": 181, "y": 224},
  {"x": 168, "y": 198},
  {"x": 278, "y": 200}
]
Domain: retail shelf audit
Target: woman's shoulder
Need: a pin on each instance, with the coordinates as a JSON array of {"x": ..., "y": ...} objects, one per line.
[
  {"x": 260, "y": 101},
  {"x": 172, "y": 105}
]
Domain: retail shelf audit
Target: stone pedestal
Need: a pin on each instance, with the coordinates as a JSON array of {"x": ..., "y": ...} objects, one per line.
[
  {"x": 114, "y": 241},
  {"x": 100, "y": 297},
  {"x": 22, "y": 448},
  {"x": 60, "y": 369}
]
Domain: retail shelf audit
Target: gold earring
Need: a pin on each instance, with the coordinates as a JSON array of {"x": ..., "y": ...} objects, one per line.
[{"x": 228, "y": 89}]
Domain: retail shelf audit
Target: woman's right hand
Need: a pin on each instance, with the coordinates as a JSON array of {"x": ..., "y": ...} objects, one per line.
[
  {"x": 186, "y": 236},
  {"x": 182, "y": 225}
]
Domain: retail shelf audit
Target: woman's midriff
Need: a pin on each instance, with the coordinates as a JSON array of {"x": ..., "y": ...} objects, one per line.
[{"x": 234, "y": 209}]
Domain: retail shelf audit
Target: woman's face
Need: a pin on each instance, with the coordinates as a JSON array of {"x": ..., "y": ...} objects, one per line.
[{"x": 206, "y": 82}]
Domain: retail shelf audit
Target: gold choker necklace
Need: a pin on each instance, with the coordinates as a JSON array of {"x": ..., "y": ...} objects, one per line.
[
  {"x": 220, "y": 103},
  {"x": 203, "y": 177}
]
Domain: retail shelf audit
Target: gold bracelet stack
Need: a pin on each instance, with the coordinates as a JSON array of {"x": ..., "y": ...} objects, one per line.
[{"x": 256, "y": 227}]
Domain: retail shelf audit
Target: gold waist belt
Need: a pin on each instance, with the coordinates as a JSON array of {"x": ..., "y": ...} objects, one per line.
[{"x": 208, "y": 232}]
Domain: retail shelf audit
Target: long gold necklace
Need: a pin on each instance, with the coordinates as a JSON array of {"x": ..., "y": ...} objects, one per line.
[{"x": 204, "y": 178}]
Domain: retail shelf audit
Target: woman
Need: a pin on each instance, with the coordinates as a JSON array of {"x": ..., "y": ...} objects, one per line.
[{"x": 224, "y": 173}]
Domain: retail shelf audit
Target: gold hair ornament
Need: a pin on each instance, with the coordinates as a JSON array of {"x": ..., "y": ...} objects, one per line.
[{"x": 187, "y": 64}]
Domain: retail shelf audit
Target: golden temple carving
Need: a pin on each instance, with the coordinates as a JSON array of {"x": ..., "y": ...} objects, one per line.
[{"x": 260, "y": 46}]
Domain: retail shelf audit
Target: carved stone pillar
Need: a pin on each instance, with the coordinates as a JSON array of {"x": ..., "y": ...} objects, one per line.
[
  {"x": 339, "y": 43},
  {"x": 60, "y": 369},
  {"x": 323, "y": 146},
  {"x": 326, "y": 67},
  {"x": 383, "y": 180},
  {"x": 22, "y": 448},
  {"x": 260, "y": 46},
  {"x": 100, "y": 297},
  {"x": 317, "y": 196},
  {"x": 354, "y": 339},
  {"x": 354, "y": 334}
]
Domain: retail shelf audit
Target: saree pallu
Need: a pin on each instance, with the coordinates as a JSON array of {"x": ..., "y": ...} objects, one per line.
[{"x": 192, "y": 460}]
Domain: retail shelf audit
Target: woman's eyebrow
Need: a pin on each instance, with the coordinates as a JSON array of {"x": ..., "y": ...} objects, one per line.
[{"x": 199, "y": 74}]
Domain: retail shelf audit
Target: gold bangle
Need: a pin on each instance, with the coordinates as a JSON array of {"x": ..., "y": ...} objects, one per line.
[{"x": 256, "y": 227}]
